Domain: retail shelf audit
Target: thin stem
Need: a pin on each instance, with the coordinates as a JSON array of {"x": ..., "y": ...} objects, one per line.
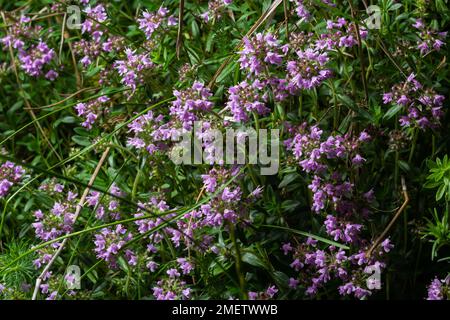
[
  {"x": 180, "y": 28},
  {"x": 286, "y": 18},
  {"x": 238, "y": 260},
  {"x": 396, "y": 164},
  {"x": 360, "y": 52},
  {"x": 413, "y": 146},
  {"x": 391, "y": 223}
]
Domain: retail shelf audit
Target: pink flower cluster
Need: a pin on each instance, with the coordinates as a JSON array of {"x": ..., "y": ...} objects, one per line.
[
  {"x": 423, "y": 106},
  {"x": 95, "y": 17},
  {"x": 92, "y": 110},
  {"x": 172, "y": 287},
  {"x": 268, "y": 294},
  {"x": 439, "y": 289},
  {"x": 10, "y": 174},
  {"x": 215, "y": 10},
  {"x": 321, "y": 266},
  {"x": 107, "y": 207},
  {"x": 150, "y": 133},
  {"x": 34, "y": 58},
  {"x": 429, "y": 39},
  {"x": 245, "y": 98},
  {"x": 189, "y": 103},
  {"x": 19, "y": 32},
  {"x": 151, "y": 22},
  {"x": 58, "y": 221},
  {"x": 110, "y": 241},
  {"x": 260, "y": 52},
  {"x": 132, "y": 70},
  {"x": 331, "y": 162}
]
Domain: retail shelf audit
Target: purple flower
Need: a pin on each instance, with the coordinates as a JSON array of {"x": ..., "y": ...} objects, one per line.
[
  {"x": 429, "y": 39},
  {"x": 171, "y": 289},
  {"x": 403, "y": 100},
  {"x": 91, "y": 110},
  {"x": 132, "y": 70},
  {"x": 358, "y": 160},
  {"x": 95, "y": 16},
  {"x": 210, "y": 182},
  {"x": 215, "y": 10},
  {"x": 271, "y": 291},
  {"x": 287, "y": 248},
  {"x": 293, "y": 283},
  {"x": 51, "y": 75},
  {"x": 245, "y": 98},
  {"x": 436, "y": 289},
  {"x": 185, "y": 266},
  {"x": 297, "y": 265},
  {"x": 301, "y": 10},
  {"x": 259, "y": 52},
  {"x": 109, "y": 242},
  {"x": 347, "y": 289},
  {"x": 52, "y": 296},
  {"x": 424, "y": 110},
  {"x": 364, "y": 137},
  {"x": 173, "y": 273},
  {"x": 150, "y": 22},
  {"x": 5, "y": 185},
  {"x": 229, "y": 195},
  {"x": 387, "y": 97},
  {"x": 35, "y": 58},
  {"x": 151, "y": 265},
  {"x": 252, "y": 295},
  {"x": 418, "y": 24},
  {"x": 131, "y": 257},
  {"x": 189, "y": 103},
  {"x": 308, "y": 70},
  {"x": 257, "y": 192}
]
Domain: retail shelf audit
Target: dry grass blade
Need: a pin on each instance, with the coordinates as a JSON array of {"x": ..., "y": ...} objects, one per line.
[
  {"x": 77, "y": 213},
  {"x": 62, "y": 38},
  {"x": 391, "y": 223},
  {"x": 180, "y": 28},
  {"x": 286, "y": 17}
]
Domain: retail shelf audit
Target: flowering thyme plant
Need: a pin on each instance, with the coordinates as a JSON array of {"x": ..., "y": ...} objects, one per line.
[{"x": 93, "y": 113}]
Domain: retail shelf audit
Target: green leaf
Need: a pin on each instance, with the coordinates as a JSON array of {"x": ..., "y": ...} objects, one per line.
[
  {"x": 403, "y": 165},
  {"x": 16, "y": 106},
  {"x": 253, "y": 259},
  {"x": 195, "y": 29},
  {"x": 82, "y": 141},
  {"x": 228, "y": 69},
  {"x": 440, "y": 192},
  {"x": 307, "y": 234},
  {"x": 392, "y": 111},
  {"x": 68, "y": 119},
  {"x": 288, "y": 179},
  {"x": 280, "y": 278},
  {"x": 395, "y": 7}
]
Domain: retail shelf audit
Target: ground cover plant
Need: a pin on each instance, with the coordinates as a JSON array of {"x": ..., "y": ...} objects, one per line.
[{"x": 105, "y": 106}]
